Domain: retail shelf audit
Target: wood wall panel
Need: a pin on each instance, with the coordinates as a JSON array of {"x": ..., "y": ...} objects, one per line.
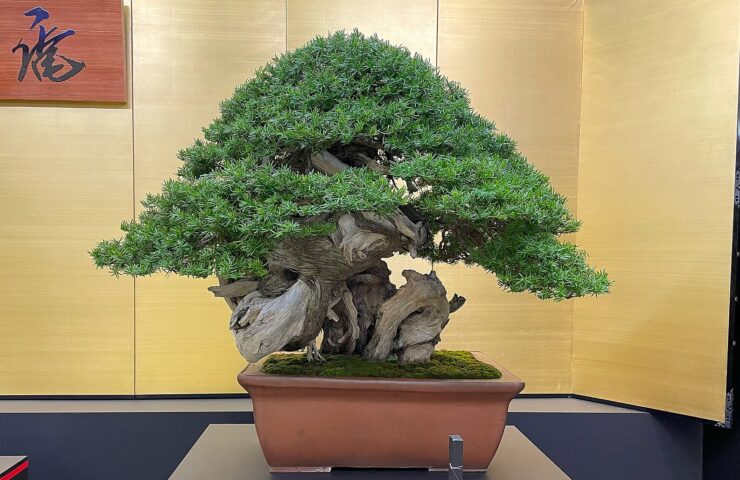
[
  {"x": 65, "y": 327},
  {"x": 188, "y": 56},
  {"x": 411, "y": 23},
  {"x": 521, "y": 62},
  {"x": 97, "y": 43},
  {"x": 655, "y": 196}
]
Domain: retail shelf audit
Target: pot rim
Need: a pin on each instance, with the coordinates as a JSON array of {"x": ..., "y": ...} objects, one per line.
[{"x": 252, "y": 376}]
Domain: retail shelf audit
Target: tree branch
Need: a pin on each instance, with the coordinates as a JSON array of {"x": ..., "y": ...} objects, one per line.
[
  {"x": 369, "y": 142},
  {"x": 372, "y": 164},
  {"x": 239, "y": 288},
  {"x": 327, "y": 163}
]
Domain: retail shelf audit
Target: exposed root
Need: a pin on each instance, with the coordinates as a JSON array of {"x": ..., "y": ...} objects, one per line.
[
  {"x": 339, "y": 284},
  {"x": 313, "y": 354},
  {"x": 410, "y": 319}
]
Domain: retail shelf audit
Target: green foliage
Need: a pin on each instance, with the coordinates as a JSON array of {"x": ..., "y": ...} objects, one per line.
[
  {"x": 536, "y": 261},
  {"x": 339, "y": 89},
  {"x": 228, "y": 221},
  {"x": 247, "y": 185},
  {"x": 443, "y": 364}
]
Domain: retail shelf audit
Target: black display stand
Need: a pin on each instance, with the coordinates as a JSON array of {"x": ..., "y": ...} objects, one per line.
[{"x": 227, "y": 452}]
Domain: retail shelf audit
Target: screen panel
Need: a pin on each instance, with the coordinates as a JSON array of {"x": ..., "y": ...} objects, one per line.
[
  {"x": 188, "y": 57},
  {"x": 521, "y": 62},
  {"x": 660, "y": 82},
  {"x": 65, "y": 327},
  {"x": 412, "y": 24}
]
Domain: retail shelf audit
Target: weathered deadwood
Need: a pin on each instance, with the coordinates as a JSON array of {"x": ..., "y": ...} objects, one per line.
[
  {"x": 288, "y": 309},
  {"x": 340, "y": 284},
  {"x": 414, "y": 234},
  {"x": 335, "y": 327},
  {"x": 291, "y": 321},
  {"x": 341, "y": 330},
  {"x": 418, "y": 334},
  {"x": 369, "y": 290},
  {"x": 372, "y": 164},
  {"x": 456, "y": 302},
  {"x": 369, "y": 142},
  {"x": 278, "y": 281},
  {"x": 242, "y": 316},
  {"x": 359, "y": 241},
  {"x": 327, "y": 163},
  {"x": 239, "y": 288},
  {"x": 231, "y": 302},
  {"x": 415, "y": 315},
  {"x": 418, "y": 353},
  {"x": 312, "y": 352}
]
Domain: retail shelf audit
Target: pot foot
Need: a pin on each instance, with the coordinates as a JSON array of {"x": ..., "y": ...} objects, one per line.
[{"x": 299, "y": 469}]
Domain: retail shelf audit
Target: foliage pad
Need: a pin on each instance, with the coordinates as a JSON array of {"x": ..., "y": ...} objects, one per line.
[
  {"x": 249, "y": 184},
  {"x": 443, "y": 364}
]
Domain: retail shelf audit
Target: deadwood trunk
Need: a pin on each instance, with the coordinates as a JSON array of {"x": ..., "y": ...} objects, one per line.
[{"x": 339, "y": 284}]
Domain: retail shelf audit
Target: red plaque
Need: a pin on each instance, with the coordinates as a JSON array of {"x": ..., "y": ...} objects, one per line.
[{"x": 71, "y": 50}]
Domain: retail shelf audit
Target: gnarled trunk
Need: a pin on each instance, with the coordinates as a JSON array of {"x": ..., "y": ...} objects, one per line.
[{"x": 340, "y": 284}]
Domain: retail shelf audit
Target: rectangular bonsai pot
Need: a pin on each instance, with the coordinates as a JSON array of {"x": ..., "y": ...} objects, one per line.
[{"x": 309, "y": 424}]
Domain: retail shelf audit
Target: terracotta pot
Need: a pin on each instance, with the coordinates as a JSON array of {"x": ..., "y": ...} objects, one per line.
[{"x": 315, "y": 423}]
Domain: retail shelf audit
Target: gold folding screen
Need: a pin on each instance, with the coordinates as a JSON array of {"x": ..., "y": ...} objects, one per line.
[
  {"x": 657, "y": 166},
  {"x": 182, "y": 343},
  {"x": 65, "y": 328},
  {"x": 412, "y": 23},
  {"x": 475, "y": 43},
  {"x": 641, "y": 141},
  {"x": 521, "y": 62},
  {"x": 188, "y": 56}
]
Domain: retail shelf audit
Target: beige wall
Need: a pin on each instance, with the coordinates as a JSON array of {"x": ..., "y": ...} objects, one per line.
[
  {"x": 68, "y": 329},
  {"x": 655, "y": 196}
]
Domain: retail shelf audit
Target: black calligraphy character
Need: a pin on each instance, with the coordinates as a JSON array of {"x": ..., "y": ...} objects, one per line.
[{"x": 44, "y": 53}]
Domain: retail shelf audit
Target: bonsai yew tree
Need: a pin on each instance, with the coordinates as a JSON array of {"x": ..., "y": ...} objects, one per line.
[{"x": 333, "y": 157}]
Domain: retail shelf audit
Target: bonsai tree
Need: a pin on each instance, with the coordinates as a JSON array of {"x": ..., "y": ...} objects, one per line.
[{"x": 333, "y": 157}]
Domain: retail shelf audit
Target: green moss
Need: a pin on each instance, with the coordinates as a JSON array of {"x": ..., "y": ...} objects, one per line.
[{"x": 443, "y": 364}]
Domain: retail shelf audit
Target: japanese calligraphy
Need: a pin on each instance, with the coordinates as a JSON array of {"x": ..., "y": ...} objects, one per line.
[{"x": 42, "y": 57}]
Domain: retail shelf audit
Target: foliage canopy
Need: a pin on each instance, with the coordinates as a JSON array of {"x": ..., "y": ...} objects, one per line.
[{"x": 249, "y": 184}]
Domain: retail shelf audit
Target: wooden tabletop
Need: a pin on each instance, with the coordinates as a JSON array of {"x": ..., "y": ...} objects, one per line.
[{"x": 232, "y": 452}]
